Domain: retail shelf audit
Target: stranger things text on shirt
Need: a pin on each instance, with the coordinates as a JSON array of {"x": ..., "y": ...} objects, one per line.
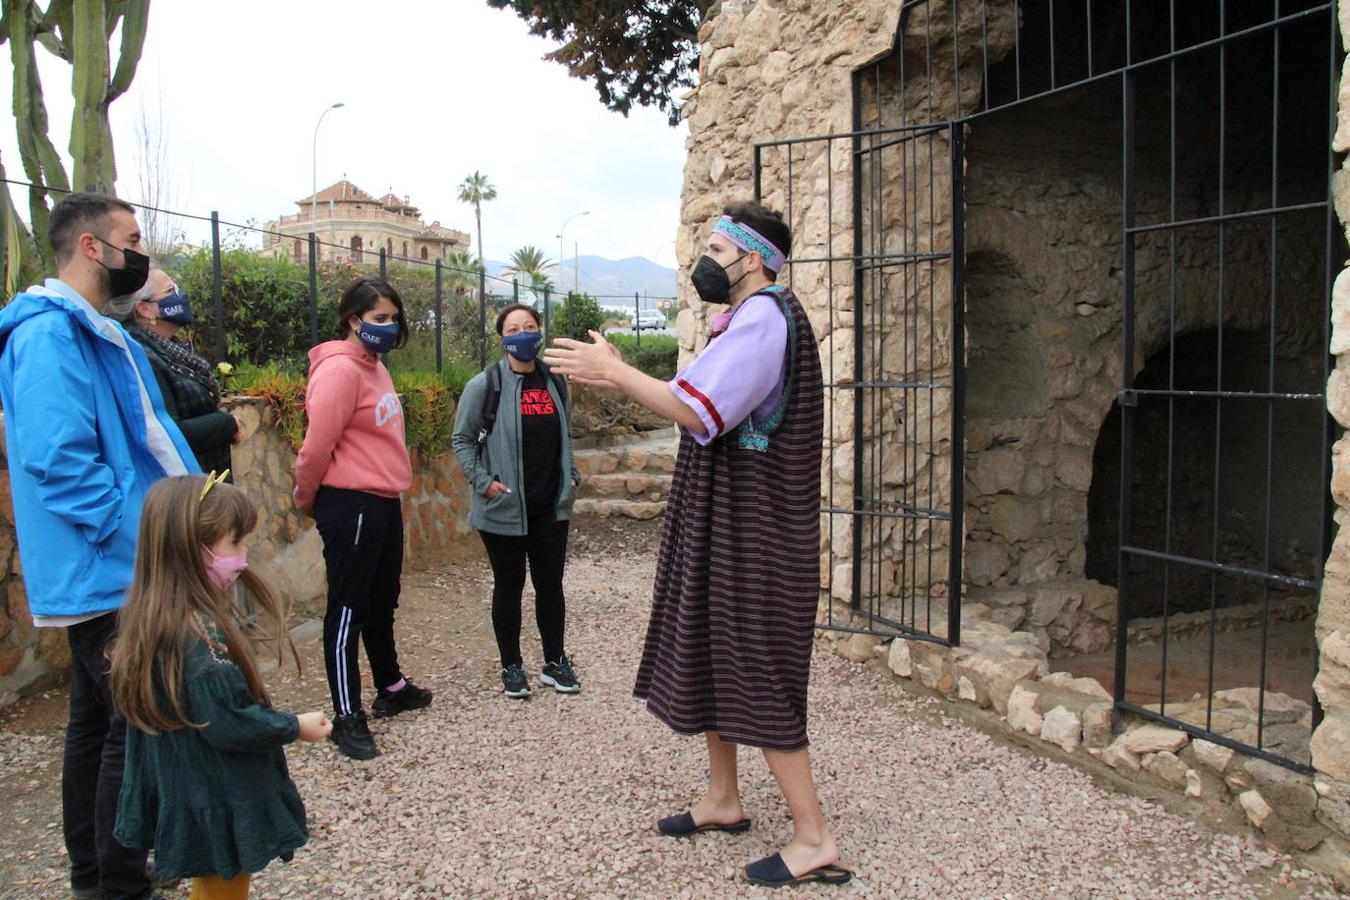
[{"x": 535, "y": 402}]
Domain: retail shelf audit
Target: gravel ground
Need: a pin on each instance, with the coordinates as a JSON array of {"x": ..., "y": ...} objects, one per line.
[{"x": 557, "y": 796}]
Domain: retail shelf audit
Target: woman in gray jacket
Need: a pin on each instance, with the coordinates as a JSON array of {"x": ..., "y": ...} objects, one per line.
[{"x": 516, "y": 453}]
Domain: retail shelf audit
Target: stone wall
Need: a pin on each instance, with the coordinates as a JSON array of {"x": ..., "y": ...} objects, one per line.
[
  {"x": 1331, "y": 740},
  {"x": 1044, "y": 313},
  {"x": 285, "y": 547}
]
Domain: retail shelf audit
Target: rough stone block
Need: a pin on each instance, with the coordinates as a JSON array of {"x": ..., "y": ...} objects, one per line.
[
  {"x": 1063, "y": 727},
  {"x": 859, "y": 647},
  {"x": 1118, "y": 757},
  {"x": 1097, "y": 723},
  {"x": 1213, "y": 755},
  {"x": 1014, "y": 518},
  {"x": 994, "y": 673},
  {"x": 1194, "y": 783},
  {"x": 899, "y": 659},
  {"x": 1277, "y": 708},
  {"x": 1331, "y": 746},
  {"x": 1288, "y": 791},
  {"x": 1167, "y": 767},
  {"x": 1089, "y": 686},
  {"x": 1333, "y": 804},
  {"x": 1154, "y": 738},
  {"x": 930, "y": 664},
  {"x": 1255, "y": 806},
  {"x": 1022, "y": 715}
]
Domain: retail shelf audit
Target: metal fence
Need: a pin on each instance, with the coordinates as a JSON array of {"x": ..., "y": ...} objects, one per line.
[
  {"x": 1229, "y": 106},
  {"x": 489, "y": 292}
]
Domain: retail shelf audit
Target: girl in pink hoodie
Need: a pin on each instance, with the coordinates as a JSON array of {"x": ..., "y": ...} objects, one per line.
[{"x": 349, "y": 474}]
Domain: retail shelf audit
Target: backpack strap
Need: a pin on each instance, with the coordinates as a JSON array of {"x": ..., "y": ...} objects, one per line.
[{"x": 492, "y": 398}]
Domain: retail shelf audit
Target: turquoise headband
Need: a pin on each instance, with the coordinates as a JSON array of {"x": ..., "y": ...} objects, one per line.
[{"x": 751, "y": 241}]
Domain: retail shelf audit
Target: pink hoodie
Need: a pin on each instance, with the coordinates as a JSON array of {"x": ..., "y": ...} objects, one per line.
[{"x": 355, "y": 435}]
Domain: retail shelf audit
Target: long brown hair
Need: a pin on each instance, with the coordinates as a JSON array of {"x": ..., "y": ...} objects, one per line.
[{"x": 171, "y": 596}]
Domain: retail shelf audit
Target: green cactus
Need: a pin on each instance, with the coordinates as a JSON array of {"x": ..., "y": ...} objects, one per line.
[{"x": 79, "y": 33}]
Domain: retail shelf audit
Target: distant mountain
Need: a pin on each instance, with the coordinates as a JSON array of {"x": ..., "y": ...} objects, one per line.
[{"x": 613, "y": 281}]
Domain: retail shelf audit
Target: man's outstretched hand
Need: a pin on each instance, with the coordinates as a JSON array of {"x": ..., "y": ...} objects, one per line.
[{"x": 594, "y": 363}]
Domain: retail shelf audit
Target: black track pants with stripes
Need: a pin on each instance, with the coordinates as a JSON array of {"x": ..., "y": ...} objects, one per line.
[{"x": 363, "y": 553}]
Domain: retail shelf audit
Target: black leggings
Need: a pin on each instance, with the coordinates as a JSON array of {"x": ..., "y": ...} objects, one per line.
[
  {"x": 363, "y": 554},
  {"x": 545, "y": 546}
]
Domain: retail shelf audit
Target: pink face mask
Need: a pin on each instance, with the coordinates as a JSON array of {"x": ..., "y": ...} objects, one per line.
[{"x": 223, "y": 571}]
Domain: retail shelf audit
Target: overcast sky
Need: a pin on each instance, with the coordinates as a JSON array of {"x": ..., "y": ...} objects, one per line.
[{"x": 433, "y": 90}]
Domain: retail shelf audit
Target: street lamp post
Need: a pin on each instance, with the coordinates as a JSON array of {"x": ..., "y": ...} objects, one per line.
[
  {"x": 561, "y": 229},
  {"x": 314, "y": 172}
]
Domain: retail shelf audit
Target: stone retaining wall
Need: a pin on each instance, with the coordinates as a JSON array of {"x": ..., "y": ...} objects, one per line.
[
  {"x": 285, "y": 546},
  {"x": 775, "y": 69}
]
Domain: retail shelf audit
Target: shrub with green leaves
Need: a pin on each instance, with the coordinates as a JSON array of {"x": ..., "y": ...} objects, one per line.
[
  {"x": 428, "y": 398},
  {"x": 266, "y": 306},
  {"x": 575, "y": 317},
  {"x": 658, "y": 355}
]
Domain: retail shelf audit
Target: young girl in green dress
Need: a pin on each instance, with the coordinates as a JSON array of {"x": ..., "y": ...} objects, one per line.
[{"x": 206, "y": 783}]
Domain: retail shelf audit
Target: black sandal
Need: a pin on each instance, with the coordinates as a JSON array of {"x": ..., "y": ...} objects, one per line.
[
  {"x": 683, "y": 826},
  {"x": 771, "y": 871}
]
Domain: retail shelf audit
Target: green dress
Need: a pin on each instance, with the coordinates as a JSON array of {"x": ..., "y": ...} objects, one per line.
[{"x": 216, "y": 800}]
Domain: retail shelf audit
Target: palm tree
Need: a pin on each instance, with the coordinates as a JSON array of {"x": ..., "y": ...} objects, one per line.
[
  {"x": 458, "y": 266},
  {"x": 476, "y": 190},
  {"x": 529, "y": 262}
]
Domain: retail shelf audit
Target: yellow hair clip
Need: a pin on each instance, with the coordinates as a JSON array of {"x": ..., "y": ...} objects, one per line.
[{"x": 211, "y": 481}]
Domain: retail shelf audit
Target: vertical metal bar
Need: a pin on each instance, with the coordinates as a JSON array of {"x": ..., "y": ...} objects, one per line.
[
  {"x": 217, "y": 293},
  {"x": 384, "y": 265},
  {"x": 515, "y": 291},
  {"x": 1052, "y": 45},
  {"x": 759, "y": 188},
  {"x": 313, "y": 288},
  {"x": 855, "y": 599},
  {"x": 956, "y": 537},
  {"x": 482, "y": 315},
  {"x": 1171, "y": 352},
  {"x": 1017, "y": 46},
  {"x": 1218, "y": 376},
  {"x": 440, "y": 301},
  {"x": 1126, "y": 378},
  {"x": 637, "y": 331},
  {"x": 1270, "y": 372},
  {"x": 789, "y": 205},
  {"x": 876, "y": 526},
  {"x": 833, "y": 396}
]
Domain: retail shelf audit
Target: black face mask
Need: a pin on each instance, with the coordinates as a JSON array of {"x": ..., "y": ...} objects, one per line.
[
  {"x": 711, "y": 281},
  {"x": 131, "y": 276}
]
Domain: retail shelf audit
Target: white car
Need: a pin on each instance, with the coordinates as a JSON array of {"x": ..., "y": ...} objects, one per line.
[{"x": 651, "y": 320}]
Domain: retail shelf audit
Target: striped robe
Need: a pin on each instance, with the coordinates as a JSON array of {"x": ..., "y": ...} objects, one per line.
[{"x": 728, "y": 648}]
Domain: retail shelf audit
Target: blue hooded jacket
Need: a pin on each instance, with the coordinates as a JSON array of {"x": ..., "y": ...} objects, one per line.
[{"x": 84, "y": 444}]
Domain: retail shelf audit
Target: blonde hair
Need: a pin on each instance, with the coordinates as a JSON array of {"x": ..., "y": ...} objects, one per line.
[{"x": 171, "y": 594}]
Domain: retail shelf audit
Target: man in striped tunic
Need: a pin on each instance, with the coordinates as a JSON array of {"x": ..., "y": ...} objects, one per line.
[{"x": 728, "y": 648}]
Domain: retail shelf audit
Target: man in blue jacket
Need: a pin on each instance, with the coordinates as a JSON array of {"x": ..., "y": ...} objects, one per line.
[{"x": 87, "y": 435}]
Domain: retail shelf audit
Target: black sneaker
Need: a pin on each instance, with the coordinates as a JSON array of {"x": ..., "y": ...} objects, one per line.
[
  {"x": 514, "y": 682},
  {"x": 409, "y": 697},
  {"x": 560, "y": 675},
  {"x": 351, "y": 733}
]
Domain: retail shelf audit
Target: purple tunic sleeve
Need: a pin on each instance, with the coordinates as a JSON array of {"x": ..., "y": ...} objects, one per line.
[{"x": 740, "y": 373}]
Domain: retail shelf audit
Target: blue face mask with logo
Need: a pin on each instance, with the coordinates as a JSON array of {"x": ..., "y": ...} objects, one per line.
[
  {"x": 378, "y": 338},
  {"x": 523, "y": 345},
  {"x": 176, "y": 308}
]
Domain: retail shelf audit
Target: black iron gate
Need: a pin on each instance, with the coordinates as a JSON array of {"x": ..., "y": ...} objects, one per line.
[
  {"x": 894, "y": 350},
  {"x": 893, "y": 365}
]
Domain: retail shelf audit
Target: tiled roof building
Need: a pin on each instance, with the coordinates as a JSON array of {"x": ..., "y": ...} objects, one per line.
[{"x": 351, "y": 223}]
